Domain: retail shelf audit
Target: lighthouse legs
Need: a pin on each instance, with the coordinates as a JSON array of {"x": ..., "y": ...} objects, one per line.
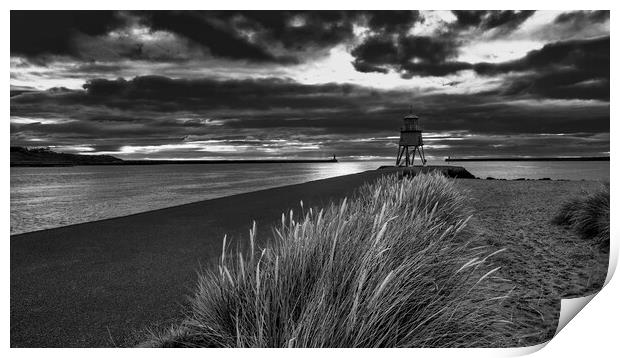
[
  {"x": 399, "y": 155},
  {"x": 420, "y": 150},
  {"x": 403, "y": 151},
  {"x": 409, "y": 156}
]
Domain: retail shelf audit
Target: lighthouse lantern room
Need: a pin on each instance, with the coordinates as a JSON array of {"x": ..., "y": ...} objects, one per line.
[{"x": 410, "y": 141}]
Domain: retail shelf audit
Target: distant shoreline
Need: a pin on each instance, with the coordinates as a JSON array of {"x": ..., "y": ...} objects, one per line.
[
  {"x": 44, "y": 157},
  {"x": 164, "y": 162},
  {"x": 536, "y": 159}
]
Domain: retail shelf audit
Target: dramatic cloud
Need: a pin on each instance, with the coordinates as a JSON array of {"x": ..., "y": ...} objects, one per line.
[
  {"x": 435, "y": 54},
  {"x": 423, "y": 55},
  {"x": 36, "y": 33},
  {"x": 218, "y": 84},
  {"x": 284, "y": 37},
  {"x": 203, "y": 30},
  {"x": 571, "y": 69},
  {"x": 569, "y": 25},
  {"x": 505, "y": 21},
  {"x": 152, "y": 111},
  {"x": 581, "y": 19},
  {"x": 591, "y": 55}
]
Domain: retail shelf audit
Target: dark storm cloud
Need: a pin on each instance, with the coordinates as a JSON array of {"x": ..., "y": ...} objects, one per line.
[
  {"x": 569, "y": 69},
  {"x": 90, "y": 68},
  {"x": 276, "y": 37},
  {"x": 591, "y": 55},
  {"x": 557, "y": 95},
  {"x": 574, "y": 25},
  {"x": 17, "y": 90},
  {"x": 152, "y": 106},
  {"x": 505, "y": 20},
  {"x": 163, "y": 93},
  {"x": 581, "y": 18},
  {"x": 279, "y": 37},
  {"x": 394, "y": 49},
  {"x": 563, "y": 84},
  {"x": 393, "y": 21},
  {"x": 565, "y": 69},
  {"x": 409, "y": 55},
  {"x": 270, "y": 117},
  {"x": 201, "y": 29},
  {"x": 297, "y": 30},
  {"x": 35, "y": 33},
  {"x": 260, "y": 35},
  {"x": 118, "y": 108}
]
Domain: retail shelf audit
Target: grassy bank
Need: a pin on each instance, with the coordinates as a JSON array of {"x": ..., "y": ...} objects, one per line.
[{"x": 393, "y": 266}]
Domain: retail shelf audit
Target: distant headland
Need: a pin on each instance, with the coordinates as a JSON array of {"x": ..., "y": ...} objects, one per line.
[{"x": 44, "y": 157}]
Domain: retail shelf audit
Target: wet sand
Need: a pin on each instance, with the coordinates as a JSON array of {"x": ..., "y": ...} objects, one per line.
[{"x": 102, "y": 283}]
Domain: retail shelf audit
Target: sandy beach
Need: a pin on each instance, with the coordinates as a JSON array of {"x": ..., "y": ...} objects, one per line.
[
  {"x": 103, "y": 283},
  {"x": 542, "y": 262}
]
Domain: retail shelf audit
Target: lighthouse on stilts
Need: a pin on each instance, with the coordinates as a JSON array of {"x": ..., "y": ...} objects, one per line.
[{"x": 410, "y": 141}]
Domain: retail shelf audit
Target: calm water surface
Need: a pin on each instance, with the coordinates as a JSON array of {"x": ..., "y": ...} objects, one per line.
[{"x": 43, "y": 198}]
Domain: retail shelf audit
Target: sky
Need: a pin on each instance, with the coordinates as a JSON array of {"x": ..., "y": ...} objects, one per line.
[{"x": 309, "y": 84}]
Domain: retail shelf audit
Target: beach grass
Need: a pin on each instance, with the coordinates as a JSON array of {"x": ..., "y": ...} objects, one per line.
[
  {"x": 587, "y": 215},
  {"x": 395, "y": 265}
]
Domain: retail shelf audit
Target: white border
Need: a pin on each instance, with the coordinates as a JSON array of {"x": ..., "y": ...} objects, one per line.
[{"x": 594, "y": 330}]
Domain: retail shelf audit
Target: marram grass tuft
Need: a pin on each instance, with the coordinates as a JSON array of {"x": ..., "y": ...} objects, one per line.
[
  {"x": 392, "y": 266},
  {"x": 588, "y": 215}
]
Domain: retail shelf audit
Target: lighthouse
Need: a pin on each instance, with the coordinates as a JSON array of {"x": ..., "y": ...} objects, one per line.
[{"x": 410, "y": 141}]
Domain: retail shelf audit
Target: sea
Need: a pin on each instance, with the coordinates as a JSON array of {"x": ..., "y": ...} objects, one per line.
[{"x": 48, "y": 197}]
